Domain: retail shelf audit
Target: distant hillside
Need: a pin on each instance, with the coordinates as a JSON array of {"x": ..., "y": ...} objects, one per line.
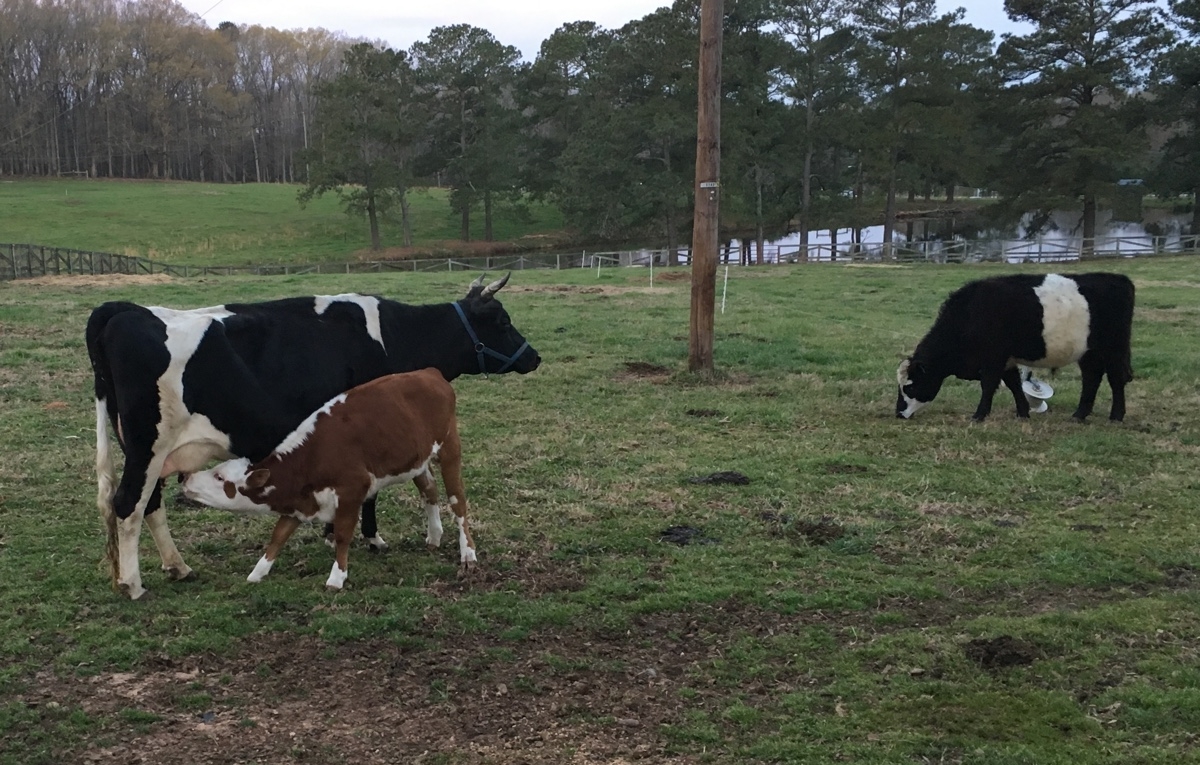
[{"x": 230, "y": 224}]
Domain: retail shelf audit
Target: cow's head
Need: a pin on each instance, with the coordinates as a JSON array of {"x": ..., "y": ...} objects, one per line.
[
  {"x": 497, "y": 342},
  {"x": 231, "y": 486},
  {"x": 918, "y": 386}
]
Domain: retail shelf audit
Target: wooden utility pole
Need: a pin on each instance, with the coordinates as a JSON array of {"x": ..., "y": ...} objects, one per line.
[{"x": 707, "y": 190}]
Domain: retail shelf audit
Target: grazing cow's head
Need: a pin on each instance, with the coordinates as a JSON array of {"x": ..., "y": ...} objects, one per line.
[
  {"x": 918, "y": 387},
  {"x": 231, "y": 486},
  {"x": 500, "y": 346}
]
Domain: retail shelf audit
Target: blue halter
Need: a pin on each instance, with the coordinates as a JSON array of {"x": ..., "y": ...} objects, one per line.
[{"x": 481, "y": 349}]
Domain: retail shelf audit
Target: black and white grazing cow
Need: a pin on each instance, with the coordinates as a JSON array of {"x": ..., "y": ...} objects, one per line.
[
  {"x": 987, "y": 327},
  {"x": 183, "y": 387},
  {"x": 382, "y": 432}
]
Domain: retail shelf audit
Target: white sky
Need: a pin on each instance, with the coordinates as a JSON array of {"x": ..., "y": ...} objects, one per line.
[{"x": 521, "y": 23}]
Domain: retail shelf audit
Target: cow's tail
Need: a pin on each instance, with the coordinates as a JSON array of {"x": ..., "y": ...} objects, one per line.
[
  {"x": 1127, "y": 330},
  {"x": 106, "y": 474},
  {"x": 106, "y": 482}
]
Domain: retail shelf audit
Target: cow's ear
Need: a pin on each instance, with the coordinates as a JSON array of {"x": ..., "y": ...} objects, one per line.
[{"x": 258, "y": 478}]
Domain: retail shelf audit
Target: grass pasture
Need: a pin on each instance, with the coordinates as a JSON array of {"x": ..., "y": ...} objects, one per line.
[
  {"x": 882, "y": 591},
  {"x": 234, "y": 224}
]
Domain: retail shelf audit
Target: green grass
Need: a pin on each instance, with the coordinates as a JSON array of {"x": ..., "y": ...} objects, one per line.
[
  {"x": 1080, "y": 540},
  {"x": 230, "y": 224}
]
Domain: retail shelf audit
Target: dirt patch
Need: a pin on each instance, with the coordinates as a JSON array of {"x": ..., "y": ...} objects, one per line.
[
  {"x": 674, "y": 276},
  {"x": 684, "y": 535},
  {"x": 704, "y": 413},
  {"x": 820, "y": 532},
  {"x": 722, "y": 477},
  {"x": 835, "y": 468},
  {"x": 298, "y": 699},
  {"x": 95, "y": 280},
  {"x": 643, "y": 370},
  {"x": 559, "y": 696},
  {"x": 1000, "y": 652},
  {"x": 530, "y": 575}
]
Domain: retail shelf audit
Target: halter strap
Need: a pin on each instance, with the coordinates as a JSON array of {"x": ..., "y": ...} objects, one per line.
[{"x": 481, "y": 349}]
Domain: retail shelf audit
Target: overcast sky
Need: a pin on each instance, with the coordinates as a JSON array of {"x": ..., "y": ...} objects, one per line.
[{"x": 521, "y": 23}]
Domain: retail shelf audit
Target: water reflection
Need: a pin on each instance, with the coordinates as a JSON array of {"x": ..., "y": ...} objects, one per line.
[
  {"x": 952, "y": 239},
  {"x": 946, "y": 238}
]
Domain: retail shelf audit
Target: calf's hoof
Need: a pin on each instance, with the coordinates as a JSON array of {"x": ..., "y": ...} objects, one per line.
[{"x": 376, "y": 544}]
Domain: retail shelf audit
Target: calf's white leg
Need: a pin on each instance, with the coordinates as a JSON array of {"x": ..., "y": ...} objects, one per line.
[
  {"x": 284, "y": 527},
  {"x": 429, "y": 503},
  {"x": 451, "y": 459}
]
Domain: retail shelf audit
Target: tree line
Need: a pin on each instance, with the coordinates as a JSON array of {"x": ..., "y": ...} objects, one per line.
[{"x": 825, "y": 101}]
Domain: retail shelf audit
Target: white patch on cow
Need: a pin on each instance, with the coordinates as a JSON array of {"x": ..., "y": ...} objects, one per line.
[
  {"x": 1065, "y": 323},
  {"x": 453, "y": 501},
  {"x": 261, "y": 569},
  {"x": 172, "y": 561},
  {"x": 327, "y": 504},
  {"x": 176, "y": 425},
  {"x": 128, "y": 532},
  {"x": 369, "y": 306},
  {"x": 433, "y": 524},
  {"x": 208, "y": 487},
  {"x": 377, "y": 542},
  {"x": 167, "y": 315},
  {"x": 466, "y": 553},
  {"x": 378, "y": 483},
  {"x": 337, "y": 577},
  {"x": 106, "y": 473},
  {"x": 196, "y": 444},
  {"x": 297, "y": 437},
  {"x": 911, "y": 405}
]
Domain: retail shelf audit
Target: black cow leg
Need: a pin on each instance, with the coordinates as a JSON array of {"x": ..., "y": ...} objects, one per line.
[
  {"x": 370, "y": 529},
  {"x": 1116, "y": 381},
  {"x": 989, "y": 382},
  {"x": 1092, "y": 371},
  {"x": 1012, "y": 379}
]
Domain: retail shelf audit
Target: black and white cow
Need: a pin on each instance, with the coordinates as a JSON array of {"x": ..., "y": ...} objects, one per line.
[
  {"x": 987, "y": 327},
  {"x": 184, "y": 387}
]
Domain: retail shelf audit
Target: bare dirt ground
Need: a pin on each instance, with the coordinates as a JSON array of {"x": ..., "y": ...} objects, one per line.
[
  {"x": 564, "y": 697},
  {"x": 94, "y": 280}
]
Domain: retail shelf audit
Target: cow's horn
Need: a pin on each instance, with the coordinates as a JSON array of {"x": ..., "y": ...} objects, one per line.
[
  {"x": 495, "y": 286},
  {"x": 477, "y": 283}
]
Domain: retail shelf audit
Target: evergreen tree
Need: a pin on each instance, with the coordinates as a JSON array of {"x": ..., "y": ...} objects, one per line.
[
  {"x": 469, "y": 81},
  {"x": 818, "y": 81},
  {"x": 367, "y": 136},
  {"x": 1177, "y": 108},
  {"x": 1071, "y": 111}
]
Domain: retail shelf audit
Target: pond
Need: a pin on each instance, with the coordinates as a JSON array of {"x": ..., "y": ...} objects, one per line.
[{"x": 1060, "y": 238}]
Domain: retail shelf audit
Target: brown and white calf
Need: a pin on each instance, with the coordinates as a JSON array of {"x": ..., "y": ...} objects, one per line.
[{"x": 377, "y": 434}]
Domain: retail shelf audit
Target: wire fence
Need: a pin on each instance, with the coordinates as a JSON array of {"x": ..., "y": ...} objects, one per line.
[{"x": 24, "y": 261}]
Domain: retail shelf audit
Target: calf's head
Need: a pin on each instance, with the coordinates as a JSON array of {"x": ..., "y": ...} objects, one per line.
[
  {"x": 504, "y": 348},
  {"x": 918, "y": 386},
  {"x": 231, "y": 486}
]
